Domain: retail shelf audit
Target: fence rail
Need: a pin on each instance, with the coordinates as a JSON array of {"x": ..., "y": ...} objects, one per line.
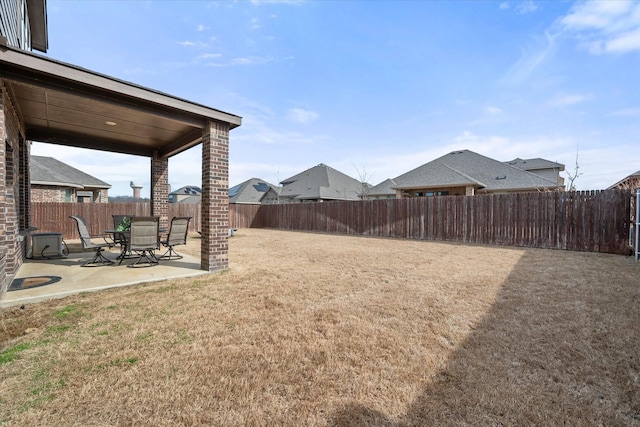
[{"x": 595, "y": 221}]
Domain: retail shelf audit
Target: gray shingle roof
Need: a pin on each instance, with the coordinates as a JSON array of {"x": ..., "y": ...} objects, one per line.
[
  {"x": 468, "y": 168},
  {"x": 321, "y": 182},
  {"x": 188, "y": 190},
  {"x": 535, "y": 164},
  {"x": 251, "y": 191},
  {"x": 386, "y": 187},
  {"x": 49, "y": 171}
]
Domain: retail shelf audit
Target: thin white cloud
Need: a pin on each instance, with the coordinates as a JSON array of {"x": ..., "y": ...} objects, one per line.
[
  {"x": 210, "y": 56},
  {"x": 202, "y": 27},
  {"x": 255, "y": 24},
  {"x": 567, "y": 99},
  {"x": 627, "y": 112},
  {"x": 521, "y": 7},
  {"x": 530, "y": 61},
  {"x": 298, "y": 115},
  {"x": 492, "y": 110},
  {"x": 625, "y": 42},
  {"x": 190, "y": 44},
  {"x": 605, "y": 26},
  {"x": 525, "y": 7},
  {"x": 289, "y": 2},
  {"x": 246, "y": 61}
]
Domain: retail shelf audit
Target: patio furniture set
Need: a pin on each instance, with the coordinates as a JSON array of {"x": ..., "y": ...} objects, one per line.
[{"x": 138, "y": 237}]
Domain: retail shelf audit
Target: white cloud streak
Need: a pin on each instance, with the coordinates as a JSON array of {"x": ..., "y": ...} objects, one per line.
[
  {"x": 605, "y": 27},
  {"x": 298, "y": 115},
  {"x": 530, "y": 61},
  {"x": 565, "y": 99}
]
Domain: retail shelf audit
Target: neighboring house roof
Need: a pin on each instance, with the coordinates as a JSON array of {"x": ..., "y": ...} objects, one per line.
[
  {"x": 467, "y": 168},
  {"x": 188, "y": 190},
  {"x": 535, "y": 164},
  {"x": 252, "y": 191},
  {"x": 49, "y": 171},
  {"x": 191, "y": 200},
  {"x": 633, "y": 179},
  {"x": 321, "y": 182},
  {"x": 386, "y": 187}
]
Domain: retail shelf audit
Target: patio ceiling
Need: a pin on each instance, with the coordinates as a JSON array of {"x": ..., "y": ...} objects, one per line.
[{"x": 63, "y": 104}]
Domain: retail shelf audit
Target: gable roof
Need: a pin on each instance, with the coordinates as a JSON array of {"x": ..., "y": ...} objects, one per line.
[
  {"x": 188, "y": 190},
  {"x": 386, "y": 187},
  {"x": 49, "y": 171},
  {"x": 631, "y": 177},
  {"x": 321, "y": 182},
  {"x": 251, "y": 191},
  {"x": 535, "y": 164},
  {"x": 191, "y": 200},
  {"x": 467, "y": 168}
]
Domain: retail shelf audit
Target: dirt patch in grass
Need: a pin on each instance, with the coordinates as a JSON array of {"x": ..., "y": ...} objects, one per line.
[{"x": 309, "y": 329}]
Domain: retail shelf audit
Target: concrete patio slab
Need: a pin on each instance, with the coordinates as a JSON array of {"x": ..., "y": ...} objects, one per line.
[{"x": 73, "y": 278}]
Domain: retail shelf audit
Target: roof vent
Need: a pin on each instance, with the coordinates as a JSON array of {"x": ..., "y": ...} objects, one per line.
[{"x": 501, "y": 177}]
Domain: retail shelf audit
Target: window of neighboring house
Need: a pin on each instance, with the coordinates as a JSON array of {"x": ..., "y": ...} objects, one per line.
[{"x": 68, "y": 193}]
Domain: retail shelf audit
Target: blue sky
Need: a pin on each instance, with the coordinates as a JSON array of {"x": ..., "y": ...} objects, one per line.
[{"x": 371, "y": 88}]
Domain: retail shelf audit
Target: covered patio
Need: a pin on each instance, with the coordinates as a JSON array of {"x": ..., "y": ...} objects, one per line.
[
  {"x": 50, "y": 101},
  {"x": 43, "y": 279}
]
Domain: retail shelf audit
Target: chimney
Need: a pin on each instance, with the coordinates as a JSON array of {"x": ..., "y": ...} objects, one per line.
[{"x": 136, "y": 190}]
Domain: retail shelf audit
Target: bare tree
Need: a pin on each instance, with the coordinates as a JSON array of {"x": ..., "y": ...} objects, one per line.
[
  {"x": 571, "y": 186},
  {"x": 364, "y": 181}
]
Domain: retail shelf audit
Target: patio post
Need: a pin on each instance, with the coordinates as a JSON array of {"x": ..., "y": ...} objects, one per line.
[
  {"x": 160, "y": 188},
  {"x": 215, "y": 197},
  {"x": 3, "y": 225}
]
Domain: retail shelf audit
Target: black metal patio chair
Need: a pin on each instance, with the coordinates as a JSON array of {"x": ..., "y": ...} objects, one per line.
[{"x": 88, "y": 243}]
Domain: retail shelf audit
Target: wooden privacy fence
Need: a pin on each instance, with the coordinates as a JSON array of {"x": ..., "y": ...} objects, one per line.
[
  {"x": 55, "y": 216},
  {"x": 597, "y": 221}
]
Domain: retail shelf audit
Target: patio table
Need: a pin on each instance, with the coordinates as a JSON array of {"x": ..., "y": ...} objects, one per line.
[{"x": 123, "y": 237}]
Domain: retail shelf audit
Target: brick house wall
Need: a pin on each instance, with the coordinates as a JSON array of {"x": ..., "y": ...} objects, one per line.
[
  {"x": 13, "y": 155},
  {"x": 46, "y": 193}
]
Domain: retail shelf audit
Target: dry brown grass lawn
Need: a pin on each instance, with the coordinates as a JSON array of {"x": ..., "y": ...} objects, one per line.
[{"x": 308, "y": 329}]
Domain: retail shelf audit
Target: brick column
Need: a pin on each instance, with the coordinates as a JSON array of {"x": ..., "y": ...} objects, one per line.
[
  {"x": 160, "y": 189},
  {"x": 215, "y": 197},
  {"x": 3, "y": 232}
]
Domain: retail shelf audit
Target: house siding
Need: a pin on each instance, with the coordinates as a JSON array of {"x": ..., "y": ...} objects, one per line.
[{"x": 14, "y": 23}]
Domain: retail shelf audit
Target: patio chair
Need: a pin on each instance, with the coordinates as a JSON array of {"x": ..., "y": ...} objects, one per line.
[
  {"x": 144, "y": 240},
  {"x": 177, "y": 236},
  {"x": 88, "y": 243}
]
